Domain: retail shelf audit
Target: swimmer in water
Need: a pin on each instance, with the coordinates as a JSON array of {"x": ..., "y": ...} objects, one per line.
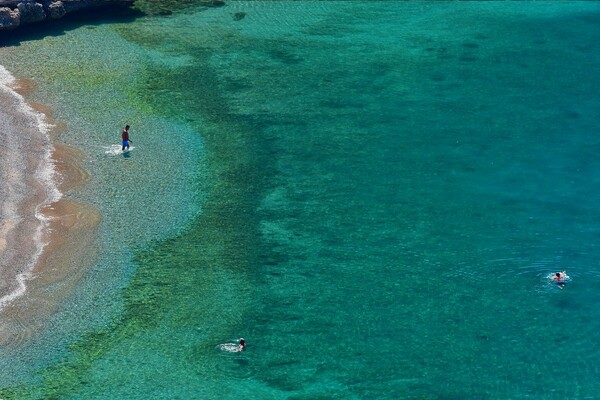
[
  {"x": 242, "y": 345},
  {"x": 558, "y": 278}
]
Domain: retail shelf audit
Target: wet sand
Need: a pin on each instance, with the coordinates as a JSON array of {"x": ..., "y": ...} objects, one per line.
[{"x": 70, "y": 242}]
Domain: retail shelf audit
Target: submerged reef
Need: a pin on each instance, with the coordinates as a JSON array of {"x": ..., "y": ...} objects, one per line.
[{"x": 14, "y": 13}]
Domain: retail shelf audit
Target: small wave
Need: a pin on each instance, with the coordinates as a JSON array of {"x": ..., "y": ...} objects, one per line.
[
  {"x": 115, "y": 150},
  {"x": 230, "y": 347}
]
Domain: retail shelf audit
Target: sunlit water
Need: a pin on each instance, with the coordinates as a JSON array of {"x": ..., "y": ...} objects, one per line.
[{"x": 373, "y": 194}]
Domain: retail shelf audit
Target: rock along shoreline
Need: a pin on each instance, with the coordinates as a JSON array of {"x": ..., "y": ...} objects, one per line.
[{"x": 15, "y": 13}]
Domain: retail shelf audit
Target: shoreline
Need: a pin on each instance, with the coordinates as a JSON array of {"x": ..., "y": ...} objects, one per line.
[{"x": 67, "y": 244}]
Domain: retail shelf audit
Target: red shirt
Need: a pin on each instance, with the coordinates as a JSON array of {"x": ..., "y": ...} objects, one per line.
[{"x": 125, "y": 135}]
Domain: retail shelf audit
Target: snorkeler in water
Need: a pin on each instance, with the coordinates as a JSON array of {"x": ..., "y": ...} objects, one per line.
[{"x": 242, "y": 344}]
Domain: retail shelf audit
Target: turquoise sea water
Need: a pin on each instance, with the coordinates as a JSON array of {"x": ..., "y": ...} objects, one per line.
[{"x": 371, "y": 193}]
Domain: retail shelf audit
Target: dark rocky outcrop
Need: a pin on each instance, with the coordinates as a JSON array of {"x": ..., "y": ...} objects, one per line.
[
  {"x": 31, "y": 12},
  {"x": 14, "y": 13},
  {"x": 9, "y": 18},
  {"x": 238, "y": 16},
  {"x": 56, "y": 10}
]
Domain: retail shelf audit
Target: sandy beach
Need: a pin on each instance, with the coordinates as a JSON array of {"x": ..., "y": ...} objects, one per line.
[{"x": 61, "y": 231}]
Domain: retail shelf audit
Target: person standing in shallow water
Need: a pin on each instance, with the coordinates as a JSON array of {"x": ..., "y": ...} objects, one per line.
[{"x": 125, "y": 137}]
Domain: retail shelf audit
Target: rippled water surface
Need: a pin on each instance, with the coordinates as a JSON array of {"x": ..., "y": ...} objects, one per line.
[{"x": 373, "y": 194}]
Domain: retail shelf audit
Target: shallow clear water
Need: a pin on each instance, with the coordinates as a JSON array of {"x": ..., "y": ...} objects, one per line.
[{"x": 371, "y": 193}]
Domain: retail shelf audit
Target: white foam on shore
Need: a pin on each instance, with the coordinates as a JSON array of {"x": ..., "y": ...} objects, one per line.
[{"x": 45, "y": 174}]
